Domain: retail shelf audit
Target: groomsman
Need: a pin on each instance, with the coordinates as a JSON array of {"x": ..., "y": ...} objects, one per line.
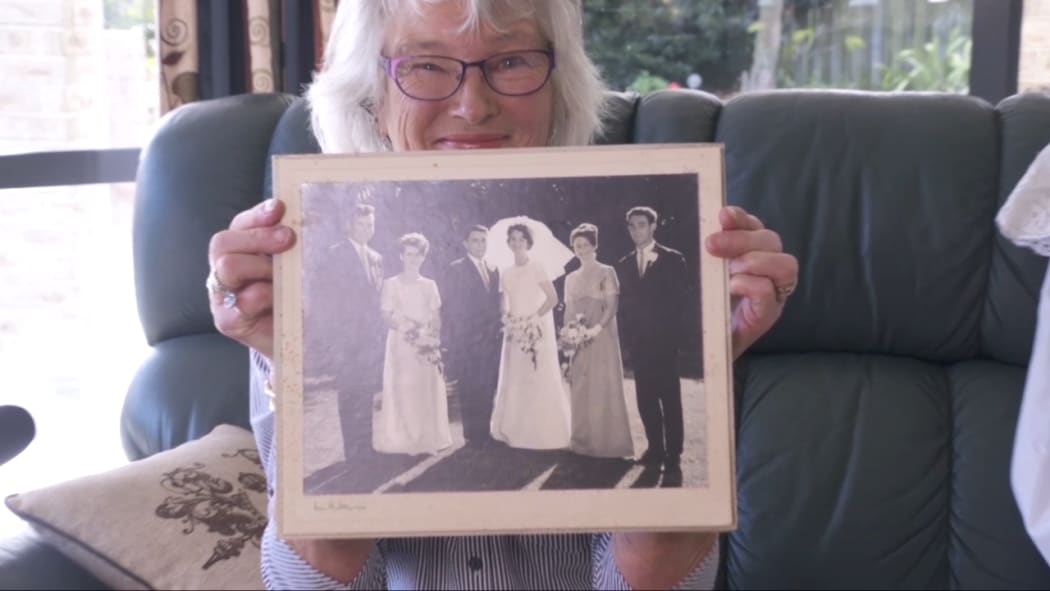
[
  {"x": 652, "y": 295},
  {"x": 471, "y": 322},
  {"x": 361, "y": 370}
]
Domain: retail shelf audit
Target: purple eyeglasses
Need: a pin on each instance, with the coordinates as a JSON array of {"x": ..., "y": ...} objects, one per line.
[{"x": 437, "y": 77}]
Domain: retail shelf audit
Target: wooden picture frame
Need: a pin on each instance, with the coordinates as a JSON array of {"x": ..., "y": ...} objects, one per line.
[{"x": 331, "y": 344}]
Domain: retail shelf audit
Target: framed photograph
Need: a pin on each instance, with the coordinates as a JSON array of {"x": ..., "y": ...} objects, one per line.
[{"x": 503, "y": 341}]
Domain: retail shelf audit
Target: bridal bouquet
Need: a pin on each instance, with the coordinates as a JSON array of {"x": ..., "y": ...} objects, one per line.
[
  {"x": 525, "y": 332},
  {"x": 573, "y": 338},
  {"x": 425, "y": 340}
]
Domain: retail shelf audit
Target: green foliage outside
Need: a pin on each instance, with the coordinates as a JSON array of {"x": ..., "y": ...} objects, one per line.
[
  {"x": 937, "y": 65},
  {"x": 125, "y": 14},
  {"x": 646, "y": 83},
  {"x": 646, "y": 44}
]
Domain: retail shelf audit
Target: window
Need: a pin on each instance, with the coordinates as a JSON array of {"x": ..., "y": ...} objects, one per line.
[
  {"x": 70, "y": 340},
  {"x": 78, "y": 75},
  {"x": 80, "y": 88},
  {"x": 1034, "y": 73},
  {"x": 731, "y": 46}
]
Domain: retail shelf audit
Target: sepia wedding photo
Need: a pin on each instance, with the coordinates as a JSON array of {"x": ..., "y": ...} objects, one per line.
[{"x": 472, "y": 339}]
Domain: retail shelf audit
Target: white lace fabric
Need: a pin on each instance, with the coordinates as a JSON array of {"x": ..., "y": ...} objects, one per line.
[{"x": 1025, "y": 217}]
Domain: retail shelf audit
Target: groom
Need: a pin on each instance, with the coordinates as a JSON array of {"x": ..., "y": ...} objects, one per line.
[
  {"x": 471, "y": 310},
  {"x": 652, "y": 294},
  {"x": 362, "y": 365}
]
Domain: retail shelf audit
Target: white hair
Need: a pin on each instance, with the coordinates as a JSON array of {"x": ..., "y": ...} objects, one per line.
[{"x": 346, "y": 93}]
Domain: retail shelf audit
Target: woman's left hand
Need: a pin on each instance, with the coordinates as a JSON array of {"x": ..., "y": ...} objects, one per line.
[{"x": 761, "y": 274}]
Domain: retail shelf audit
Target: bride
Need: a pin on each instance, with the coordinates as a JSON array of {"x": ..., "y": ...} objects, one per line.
[{"x": 531, "y": 409}]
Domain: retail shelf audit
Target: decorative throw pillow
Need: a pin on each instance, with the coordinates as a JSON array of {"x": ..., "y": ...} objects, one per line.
[{"x": 188, "y": 518}]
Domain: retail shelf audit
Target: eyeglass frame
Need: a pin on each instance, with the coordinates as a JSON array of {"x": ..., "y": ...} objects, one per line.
[{"x": 390, "y": 65}]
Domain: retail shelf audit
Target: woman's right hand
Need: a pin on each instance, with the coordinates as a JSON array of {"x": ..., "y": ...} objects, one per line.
[{"x": 241, "y": 260}]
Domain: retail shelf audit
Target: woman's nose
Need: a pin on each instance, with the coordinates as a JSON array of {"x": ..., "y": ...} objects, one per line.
[{"x": 476, "y": 101}]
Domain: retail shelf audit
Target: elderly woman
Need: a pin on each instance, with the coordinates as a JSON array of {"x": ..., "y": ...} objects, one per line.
[{"x": 460, "y": 74}]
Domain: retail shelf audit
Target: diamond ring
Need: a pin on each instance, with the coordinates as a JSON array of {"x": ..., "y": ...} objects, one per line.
[{"x": 229, "y": 297}]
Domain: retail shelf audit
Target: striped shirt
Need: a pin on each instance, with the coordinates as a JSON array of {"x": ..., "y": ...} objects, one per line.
[{"x": 555, "y": 561}]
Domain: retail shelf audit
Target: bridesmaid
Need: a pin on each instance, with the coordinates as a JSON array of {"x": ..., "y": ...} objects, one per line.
[
  {"x": 414, "y": 419},
  {"x": 600, "y": 426}
]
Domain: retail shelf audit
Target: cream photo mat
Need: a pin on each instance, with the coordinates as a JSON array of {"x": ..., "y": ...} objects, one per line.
[{"x": 712, "y": 508}]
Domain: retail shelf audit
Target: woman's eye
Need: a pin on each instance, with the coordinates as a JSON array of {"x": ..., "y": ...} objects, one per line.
[
  {"x": 427, "y": 67},
  {"x": 510, "y": 62}
]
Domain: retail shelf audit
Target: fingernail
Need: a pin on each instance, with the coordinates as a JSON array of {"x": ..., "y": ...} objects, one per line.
[
  {"x": 269, "y": 204},
  {"x": 283, "y": 234}
]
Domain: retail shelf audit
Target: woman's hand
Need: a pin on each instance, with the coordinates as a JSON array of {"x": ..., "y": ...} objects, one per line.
[
  {"x": 660, "y": 560},
  {"x": 761, "y": 275},
  {"x": 241, "y": 263}
]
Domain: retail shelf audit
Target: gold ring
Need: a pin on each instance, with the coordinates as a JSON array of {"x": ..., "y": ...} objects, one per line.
[{"x": 782, "y": 293}]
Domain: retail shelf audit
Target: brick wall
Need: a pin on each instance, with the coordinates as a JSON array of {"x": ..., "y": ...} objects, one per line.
[
  {"x": 70, "y": 83},
  {"x": 52, "y": 56},
  {"x": 1034, "y": 72}
]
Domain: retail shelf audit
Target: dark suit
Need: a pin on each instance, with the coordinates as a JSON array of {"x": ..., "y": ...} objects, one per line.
[
  {"x": 471, "y": 327},
  {"x": 650, "y": 318},
  {"x": 360, "y": 374}
]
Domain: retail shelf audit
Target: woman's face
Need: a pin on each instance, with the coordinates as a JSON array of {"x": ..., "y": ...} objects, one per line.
[
  {"x": 412, "y": 258},
  {"x": 517, "y": 242},
  {"x": 583, "y": 248},
  {"x": 475, "y": 116}
]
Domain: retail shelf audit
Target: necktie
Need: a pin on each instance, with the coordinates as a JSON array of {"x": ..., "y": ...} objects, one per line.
[
  {"x": 367, "y": 266},
  {"x": 484, "y": 275},
  {"x": 641, "y": 263}
]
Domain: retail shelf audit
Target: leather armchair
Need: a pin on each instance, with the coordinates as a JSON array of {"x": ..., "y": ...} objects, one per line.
[{"x": 875, "y": 422}]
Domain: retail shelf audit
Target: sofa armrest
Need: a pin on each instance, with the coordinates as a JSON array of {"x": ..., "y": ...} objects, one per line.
[
  {"x": 27, "y": 562},
  {"x": 186, "y": 387}
]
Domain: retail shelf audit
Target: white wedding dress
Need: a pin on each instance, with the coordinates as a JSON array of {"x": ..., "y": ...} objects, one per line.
[
  {"x": 414, "y": 416},
  {"x": 531, "y": 409}
]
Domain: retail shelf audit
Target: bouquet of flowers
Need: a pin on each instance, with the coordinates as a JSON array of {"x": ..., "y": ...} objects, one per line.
[
  {"x": 573, "y": 338},
  {"x": 424, "y": 338},
  {"x": 525, "y": 332}
]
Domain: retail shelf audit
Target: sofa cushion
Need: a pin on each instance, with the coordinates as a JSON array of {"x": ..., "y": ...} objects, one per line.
[
  {"x": 188, "y": 518},
  {"x": 887, "y": 200},
  {"x": 988, "y": 546},
  {"x": 843, "y": 467}
]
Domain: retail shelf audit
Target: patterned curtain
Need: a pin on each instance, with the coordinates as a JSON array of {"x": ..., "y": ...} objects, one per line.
[
  {"x": 179, "y": 69},
  {"x": 250, "y": 38},
  {"x": 260, "y": 46}
]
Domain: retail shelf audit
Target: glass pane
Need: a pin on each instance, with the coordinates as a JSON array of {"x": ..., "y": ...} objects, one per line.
[
  {"x": 745, "y": 45},
  {"x": 78, "y": 74},
  {"x": 70, "y": 339},
  {"x": 1034, "y": 74}
]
